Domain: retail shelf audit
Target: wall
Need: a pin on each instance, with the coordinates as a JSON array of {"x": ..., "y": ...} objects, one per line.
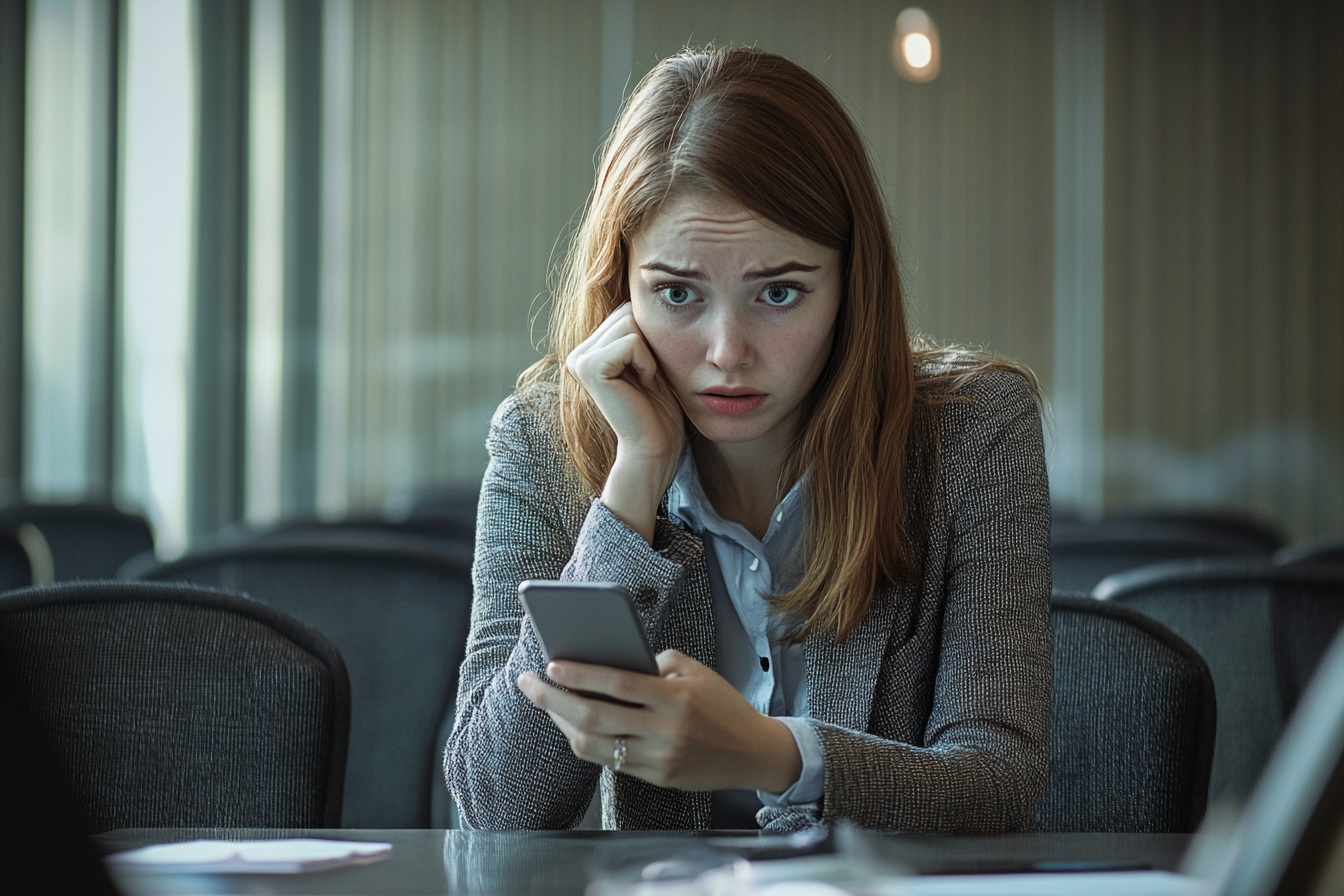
[
  {"x": 473, "y": 146},
  {"x": 1225, "y": 257}
]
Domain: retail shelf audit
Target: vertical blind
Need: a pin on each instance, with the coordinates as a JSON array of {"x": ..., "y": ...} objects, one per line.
[
  {"x": 420, "y": 165},
  {"x": 471, "y": 149},
  {"x": 1225, "y": 258}
]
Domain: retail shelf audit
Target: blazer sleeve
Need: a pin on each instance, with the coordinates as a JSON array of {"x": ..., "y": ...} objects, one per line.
[
  {"x": 982, "y": 764},
  {"x": 507, "y": 764}
]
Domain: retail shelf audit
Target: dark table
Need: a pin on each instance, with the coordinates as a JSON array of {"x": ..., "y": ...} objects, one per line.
[{"x": 435, "y": 862}]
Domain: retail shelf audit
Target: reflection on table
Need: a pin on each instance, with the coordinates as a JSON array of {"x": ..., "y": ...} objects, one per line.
[{"x": 477, "y": 862}]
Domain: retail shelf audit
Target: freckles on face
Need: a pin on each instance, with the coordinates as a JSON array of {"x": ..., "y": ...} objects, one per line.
[{"x": 738, "y": 311}]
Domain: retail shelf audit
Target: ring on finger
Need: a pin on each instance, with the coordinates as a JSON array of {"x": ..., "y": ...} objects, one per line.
[{"x": 618, "y": 754}]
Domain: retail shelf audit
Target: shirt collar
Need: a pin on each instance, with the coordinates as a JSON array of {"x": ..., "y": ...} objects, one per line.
[{"x": 686, "y": 501}]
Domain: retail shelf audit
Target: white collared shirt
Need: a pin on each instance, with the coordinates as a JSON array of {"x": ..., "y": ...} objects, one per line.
[{"x": 766, "y": 670}]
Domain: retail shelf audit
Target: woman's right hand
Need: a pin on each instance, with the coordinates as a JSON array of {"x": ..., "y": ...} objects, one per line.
[{"x": 620, "y": 372}]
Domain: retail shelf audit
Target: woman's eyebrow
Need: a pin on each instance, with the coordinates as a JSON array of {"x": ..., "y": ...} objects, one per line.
[
  {"x": 687, "y": 273},
  {"x": 785, "y": 268},
  {"x": 763, "y": 274}
]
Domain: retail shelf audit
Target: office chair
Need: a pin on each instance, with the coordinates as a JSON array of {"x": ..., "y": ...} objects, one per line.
[
  {"x": 1254, "y": 535},
  {"x": 43, "y": 847},
  {"x": 1261, "y": 628},
  {"x": 178, "y": 706},
  {"x": 1131, "y": 727},
  {"x": 87, "y": 541},
  {"x": 1316, "y": 552},
  {"x": 15, "y": 569},
  {"x": 398, "y": 607},
  {"x": 458, "y": 529},
  {"x": 446, "y": 505},
  {"x": 1082, "y": 553}
]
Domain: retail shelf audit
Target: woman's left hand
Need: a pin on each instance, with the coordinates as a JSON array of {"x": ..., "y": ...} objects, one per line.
[{"x": 689, "y": 729}]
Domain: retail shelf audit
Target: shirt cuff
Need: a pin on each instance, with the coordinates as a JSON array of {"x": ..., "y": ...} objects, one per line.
[{"x": 811, "y": 784}]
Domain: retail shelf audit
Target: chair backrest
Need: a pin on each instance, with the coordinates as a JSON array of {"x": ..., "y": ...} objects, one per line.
[
  {"x": 1082, "y": 553},
  {"x": 1316, "y": 552},
  {"x": 1131, "y": 727},
  {"x": 178, "y": 706},
  {"x": 44, "y": 844},
  {"x": 454, "y": 505},
  {"x": 460, "y": 530},
  {"x": 1255, "y": 536},
  {"x": 15, "y": 569},
  {"x": 398, "y": 607},
  {"x": 87, "y": 541},
  {"x": 1261, "y": 628}
]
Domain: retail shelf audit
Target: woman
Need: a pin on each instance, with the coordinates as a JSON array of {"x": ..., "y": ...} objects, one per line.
[{"x": 838, "y": 541}]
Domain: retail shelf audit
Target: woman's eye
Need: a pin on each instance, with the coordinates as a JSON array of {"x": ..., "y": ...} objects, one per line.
[
  {"x": 676, "y": 294},
  {"x": 778, "y": 294}
]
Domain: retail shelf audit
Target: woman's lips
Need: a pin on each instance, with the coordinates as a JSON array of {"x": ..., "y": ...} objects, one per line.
[{"x": 731, "y": 405}]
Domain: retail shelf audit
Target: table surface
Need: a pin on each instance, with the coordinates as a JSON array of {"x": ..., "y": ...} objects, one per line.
[{"x": 478, "y": 862}]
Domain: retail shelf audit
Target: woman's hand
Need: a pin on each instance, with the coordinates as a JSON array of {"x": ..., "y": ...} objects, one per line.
[
  {"x": 690, "y": 728},
  {"x": 620, "y": 372}
]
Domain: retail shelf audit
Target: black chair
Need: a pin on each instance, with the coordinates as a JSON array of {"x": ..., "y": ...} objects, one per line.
[
  {"x": 1082, "y": 553},
  {"x": 459, "y": 529},
  {"x": 178, "y": 706},
  {"x": 16, "y": 570},
  {"x": 398, "y": 607},
  {"x": 1132, "y": 724},
  {"x": 87, "y": 541},
  {"x": 1327, "y": 551},
  {"x": 1254, "y": 535},
  {"x": 1261, "y": 628},
  {"x": 446, "y": 506},
  {"x": 44, "y": 849}
]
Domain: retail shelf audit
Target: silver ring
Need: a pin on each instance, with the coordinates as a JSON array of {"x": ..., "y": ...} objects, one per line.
[{"x": 618, "y": 755}]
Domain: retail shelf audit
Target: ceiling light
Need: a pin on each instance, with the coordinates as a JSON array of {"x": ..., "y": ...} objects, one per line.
[{"x": 914, "y": 48}]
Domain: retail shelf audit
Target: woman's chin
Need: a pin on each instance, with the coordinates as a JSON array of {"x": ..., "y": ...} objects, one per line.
[{"x": 721, "y": 428}]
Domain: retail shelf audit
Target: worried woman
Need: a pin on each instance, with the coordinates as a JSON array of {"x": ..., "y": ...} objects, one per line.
[{"x": 837, "y": 537}]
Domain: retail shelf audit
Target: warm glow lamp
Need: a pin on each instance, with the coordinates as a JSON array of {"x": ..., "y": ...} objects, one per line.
[{"x": 914, "y": 48}]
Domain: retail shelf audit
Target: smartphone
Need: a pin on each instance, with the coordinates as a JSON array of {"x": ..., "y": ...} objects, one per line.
[{"x": 589, "y": 622}]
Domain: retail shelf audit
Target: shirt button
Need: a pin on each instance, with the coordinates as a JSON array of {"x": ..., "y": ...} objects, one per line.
[
  {"x": 755, "y": 562},
  {"x": 765, "y": 664},
  {"x": 779, "y": 517}
]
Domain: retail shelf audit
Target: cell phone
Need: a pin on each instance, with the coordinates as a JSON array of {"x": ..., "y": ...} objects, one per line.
[{"x": 589, "y": 622}]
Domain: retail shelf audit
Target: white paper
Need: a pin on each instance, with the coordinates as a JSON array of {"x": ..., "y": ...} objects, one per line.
[
  {"x": 1098, "y": 883},
  {"x": 250, "y": 856}
]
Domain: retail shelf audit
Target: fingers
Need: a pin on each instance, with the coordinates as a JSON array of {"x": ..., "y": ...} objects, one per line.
[
  {"x": 629, "y": 687},
  {"x": 610, "y": 360},
  {"x": 623, "y": 311},
  {"x": 613, "y": 346},
  {"x": 593, "y": 747},
  {"x": 619, "y": 323},
  {"x": 672, "y": 663},
  {"x": 590, "y": 726},
  {"x": 578, "y": 712}
]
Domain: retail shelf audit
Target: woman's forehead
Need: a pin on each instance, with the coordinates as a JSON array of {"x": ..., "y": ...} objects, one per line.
[{"x": 692, "y": 220}]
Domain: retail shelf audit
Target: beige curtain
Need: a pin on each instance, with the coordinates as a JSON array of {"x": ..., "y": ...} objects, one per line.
[
  {"x": 472, "y": 133},
  {"x": 472, "y": 143},
  {"x": 1225, "y": 258}
]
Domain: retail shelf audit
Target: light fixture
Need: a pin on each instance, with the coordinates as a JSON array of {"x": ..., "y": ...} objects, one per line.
[{"x": 914, "y": 48}]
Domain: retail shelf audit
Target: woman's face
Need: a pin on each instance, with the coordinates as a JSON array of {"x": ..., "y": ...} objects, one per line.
[{"x": 739, "y": 313}]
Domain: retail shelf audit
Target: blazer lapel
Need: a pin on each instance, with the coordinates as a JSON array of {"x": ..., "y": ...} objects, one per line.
[{"x": 841, "y": 676}]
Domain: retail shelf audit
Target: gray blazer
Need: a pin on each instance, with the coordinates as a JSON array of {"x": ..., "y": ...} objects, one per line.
[{"x": 932, "y": 715}]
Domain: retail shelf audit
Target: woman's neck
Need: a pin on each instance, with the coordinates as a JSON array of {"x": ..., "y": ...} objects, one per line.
[{"x": 740, "y": 481}]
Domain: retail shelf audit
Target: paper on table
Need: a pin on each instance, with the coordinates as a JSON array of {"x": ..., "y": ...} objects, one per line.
[
  {"x": 250, "y": 856},
  {"x": 1098, "y": 883}
]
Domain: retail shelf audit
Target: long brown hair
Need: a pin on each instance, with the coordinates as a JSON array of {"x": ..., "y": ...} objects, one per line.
[{"x": 753, "y": 127}]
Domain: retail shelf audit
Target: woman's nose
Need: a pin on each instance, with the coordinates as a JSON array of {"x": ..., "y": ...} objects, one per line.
[{"x": 729, "y": 342}]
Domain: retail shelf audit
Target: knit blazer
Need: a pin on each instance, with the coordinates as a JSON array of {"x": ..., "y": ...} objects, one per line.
[{"x": 932, "y": 714}]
